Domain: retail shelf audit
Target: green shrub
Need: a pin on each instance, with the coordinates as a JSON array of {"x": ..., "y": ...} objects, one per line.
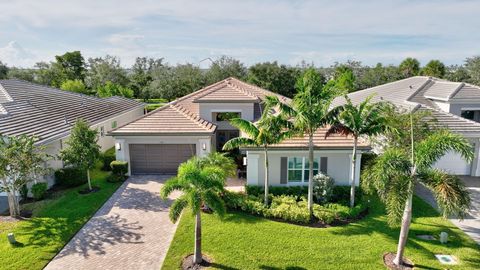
[
  {"x": 70, "y": 177},
  {"x": 24, "y": 192},
  {"x": 119, "y": 169},
  {"x": 323, "y": 214},
  {"x": 289, "y": 209},
  {"x": 39, "y": 190},
  {"x": 277, "y": 190},
  {"x": 113, "y": 178},
  {"x": 323, "y": 188},
  {"x": 107, "y": 157},
  {"x": 341, "y": 194}
]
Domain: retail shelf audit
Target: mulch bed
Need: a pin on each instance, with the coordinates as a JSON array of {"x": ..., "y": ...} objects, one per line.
[
  {"x": 187, "y": 263},
  {"x": 388, "y": 261},
  {"x": 88, "y": 191}
]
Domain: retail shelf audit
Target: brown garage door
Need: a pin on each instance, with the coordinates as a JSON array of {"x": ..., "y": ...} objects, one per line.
[{"x": 159, "y": 158}]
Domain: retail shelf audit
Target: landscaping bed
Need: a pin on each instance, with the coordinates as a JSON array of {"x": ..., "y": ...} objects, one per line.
[{"x": 55, "y": 221}]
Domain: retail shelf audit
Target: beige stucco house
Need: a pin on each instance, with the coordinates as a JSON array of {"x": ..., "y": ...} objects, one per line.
[{"x": 49, "y": 114}]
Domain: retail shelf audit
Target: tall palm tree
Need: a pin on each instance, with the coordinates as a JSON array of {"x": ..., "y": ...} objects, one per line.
[
  {"x": 396, "y": 171},
  {"x": 364, "y": 119},
  {"x": 201, "y": 184},
  {"x": 309, "y": 111},
  {"x": 270, "y": 129}
]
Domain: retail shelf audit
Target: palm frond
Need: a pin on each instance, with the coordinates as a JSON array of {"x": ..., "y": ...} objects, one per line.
[
  {"x": 170, "y": 185},
  {"x": 212, "y": 178},
  {"x": 239, "y": 142},
  {"x": 220, "y": 160},
  {"x": 338, "y": 128},
  {"x": 215, "y": 202},
  {"x": 177, "y": 207},
  {"x": 245, "y": 126},
  {"x": 450, "y": 193}
]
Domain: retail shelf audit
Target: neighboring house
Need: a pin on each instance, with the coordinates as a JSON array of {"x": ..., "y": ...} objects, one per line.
[
  {"x": 195, "y": 125},
  {"x": 49, "y": 114},
  {"x": 455, "y": 105}
]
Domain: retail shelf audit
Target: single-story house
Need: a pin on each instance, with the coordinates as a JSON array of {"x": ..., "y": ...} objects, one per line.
[
  {"x": 195, "y": 125},
  {"x": 455, "y": 105},
  {"x": 49, "y": 114}
]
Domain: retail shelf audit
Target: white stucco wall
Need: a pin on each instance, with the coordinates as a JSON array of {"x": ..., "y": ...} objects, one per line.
[
  {"x": 124, "y": 142},
  {"x": 338, "y": 165}
]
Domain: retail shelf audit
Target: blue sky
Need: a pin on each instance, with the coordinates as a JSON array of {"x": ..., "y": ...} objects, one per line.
[{"x": 321, "y": 32}]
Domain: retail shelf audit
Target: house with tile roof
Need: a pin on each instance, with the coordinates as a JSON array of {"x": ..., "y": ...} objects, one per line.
[
  {"x": 195, "y": 125},
  {"x": 455, "y": 105},
  {"x": 49, "y": 114}
]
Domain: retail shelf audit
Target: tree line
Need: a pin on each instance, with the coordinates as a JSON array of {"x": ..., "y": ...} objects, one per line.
[{"x": 155, "y": 78}]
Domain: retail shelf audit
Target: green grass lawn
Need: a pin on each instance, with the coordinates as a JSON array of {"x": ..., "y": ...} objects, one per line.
[
  {"x": 54, "y": 222},
  {"x": 243, "y": 241}
]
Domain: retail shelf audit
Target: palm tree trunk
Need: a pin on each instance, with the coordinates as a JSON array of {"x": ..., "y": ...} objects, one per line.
[
  {"x": 197, "y": 255},
  {"x": 266, "y": 175},
  {"x": 310, "y": 173},
  {"x": 354, "y": 168},
  {"x": 88, "y": 178}
]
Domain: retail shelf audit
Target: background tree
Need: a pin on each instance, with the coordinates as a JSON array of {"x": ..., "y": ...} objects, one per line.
[
  {"x": 472, "y": 65},
  {"x": 3, "y": 71},
  {"x": 201, "y": 185},
  {"x": 270, "y": 129},
  {"x": 344, "y": 79},
  {"x": 274, "y": 77},
  {"x": 104, "y": 69},
  {"x": 434, "y": 68},
  {"x": 141, "y": 74},
  {"x": 396, "y": 171},
  {"x": 76, "y": 86},
  {"x": 225, "y": 67},
  {"x": 364, "y": 119},
  {"x": 82, "y": 150},
  {"x": 409, "y": 67},
  {"x": 46, "y": 75},
  {"x": 71, "y": 65},
  {"x": 21, "y": 74},
  {"x": 20, "y": 163},
  {"x": 111, "y": 89},
  {"x": 457, "y": 73},
  {"x": 377, "y": 75}
]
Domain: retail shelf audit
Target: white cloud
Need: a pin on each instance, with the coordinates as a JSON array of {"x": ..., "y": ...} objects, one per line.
[{"x": 14, "y": 54}]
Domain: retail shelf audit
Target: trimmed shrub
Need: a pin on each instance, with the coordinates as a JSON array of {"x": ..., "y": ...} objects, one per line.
[
  {"x": 341, "y": 194},
  {"x": 70, "y": 177},
  {"x": 107, "y": 157},
  {"x": 119, "y": 169},
  {"x": 323, "y": 188},
  {"x": 297, "y": 191},
  {"x": 39, "y": 190},
  {"x": 24, "y": 192}
]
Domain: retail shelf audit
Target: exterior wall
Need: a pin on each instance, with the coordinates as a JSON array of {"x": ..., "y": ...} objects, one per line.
[
  {"x": 445, "y": 106},
  {"x": 206, "y": 109},
  {"x": 453, "y": 162},
  {"x": 203, "y": 144},
  {"x": 338, "y": 166},
  {"x": 107, "y": 142}
]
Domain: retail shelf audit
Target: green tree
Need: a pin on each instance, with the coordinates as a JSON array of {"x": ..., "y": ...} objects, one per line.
[
  {"x": 46, "y": 75},
  {"x": 309, "y": 110},
  {"x": 21, "y": 161},
  {"x": 344, "y": 80},
  {"x": 377, "y": 75},
  {"x": 104, "y": 69},
  {"x": 201, "y": 184},
  {"x": 76, "y": 86},
  {"x": 82, "y": 150},
  {"x": 456, "y": 73},
  {"x": 21, "y": 74},
  {"x": 472, "y": 65},
  {"x": 364, "y": 119},
  {"x": 3, "y": 71},
  {"x": 225, "y": 67},
  {"x": 111, "y": 89},
  {"x": 270, "y": 129},
  {"x": 396, "y": 171},
  {"x": 274, "y": 77},
  {"x": 71, "y": 65},
  {"x": 409, "y": 67},
  {"x": 141, "y": 74},
  {"x": 434, "y": 68}
]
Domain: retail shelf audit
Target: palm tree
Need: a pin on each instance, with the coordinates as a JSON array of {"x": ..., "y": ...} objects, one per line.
[
  {"x": 396, "y": 171},
  {"x": 365, "y": 119},
  {"x": 270, "y": 129},
  {"x": 309, "y": 111},
  {"x": 201, "y": 184}
]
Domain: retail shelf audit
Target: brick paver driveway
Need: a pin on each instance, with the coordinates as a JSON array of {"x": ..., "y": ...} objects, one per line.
[{"x": 131, "y": 231}]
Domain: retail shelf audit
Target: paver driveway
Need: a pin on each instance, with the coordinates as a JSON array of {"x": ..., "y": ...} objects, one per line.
[{"x": 131, "y": 231}]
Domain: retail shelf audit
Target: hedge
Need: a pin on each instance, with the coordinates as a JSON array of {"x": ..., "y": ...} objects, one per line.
[
  {"x": 70, "y": 177},
  {"x": 119, "y": 169},
  {"x": 107, "y": 157}
]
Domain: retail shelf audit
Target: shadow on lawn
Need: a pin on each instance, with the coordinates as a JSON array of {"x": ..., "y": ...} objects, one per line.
[
  {"x": 265, "y": 267},
  {"x": 99, "y": 233}
]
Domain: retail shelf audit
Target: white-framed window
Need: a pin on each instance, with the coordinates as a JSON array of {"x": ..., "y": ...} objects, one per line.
[
  {"x": 102, "y": 131},
  {"x": 298, "y": 169}
]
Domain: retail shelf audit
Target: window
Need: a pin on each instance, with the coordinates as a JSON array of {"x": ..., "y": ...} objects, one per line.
[
  {"x": 468, "y": 114},
  {"x": 225, "y": 116},
  {"x": 114, "y": 124},
  {"x": 298, "y": 169},
  {"x": 102, "y": 131}
]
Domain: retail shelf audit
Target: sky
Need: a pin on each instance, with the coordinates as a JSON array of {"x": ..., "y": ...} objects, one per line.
[{"x": 321, "y": 32}]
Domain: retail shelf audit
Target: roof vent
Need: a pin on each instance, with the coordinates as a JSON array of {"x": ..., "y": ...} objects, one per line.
[
  {"x": 65, "y": 120},
  {"x": 411, "y": 87}
]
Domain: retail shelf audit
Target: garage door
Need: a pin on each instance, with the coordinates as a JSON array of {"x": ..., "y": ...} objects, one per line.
[
  {"x": 159, "y": 158},
  {"x": 453, "y": 163}
]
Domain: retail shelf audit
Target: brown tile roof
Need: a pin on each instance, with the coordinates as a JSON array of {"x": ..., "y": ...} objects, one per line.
[
  {"x": 227, "y": 93},
  {"x": 49, "y": 113}
]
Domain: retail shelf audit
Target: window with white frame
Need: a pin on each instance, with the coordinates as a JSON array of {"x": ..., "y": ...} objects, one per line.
[{"x": 298, "y": 169}]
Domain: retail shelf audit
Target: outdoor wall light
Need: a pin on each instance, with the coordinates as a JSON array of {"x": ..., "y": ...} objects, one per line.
[
  {"x": 244, "y": 161},
  {"x": 204, "y": 146},
  {"x": 118, "y": 146}
]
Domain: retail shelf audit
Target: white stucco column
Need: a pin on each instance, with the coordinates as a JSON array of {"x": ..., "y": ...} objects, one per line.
[
  {"x": 252, "y": 169},
  {"x": 205, "y": 147},
  {"x": 475, "y": 171}
]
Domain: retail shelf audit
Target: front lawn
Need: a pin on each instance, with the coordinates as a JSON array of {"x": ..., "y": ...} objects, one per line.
[
  {"x": 53, "y": 224},
  {"x": 242, "y": 241}
]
